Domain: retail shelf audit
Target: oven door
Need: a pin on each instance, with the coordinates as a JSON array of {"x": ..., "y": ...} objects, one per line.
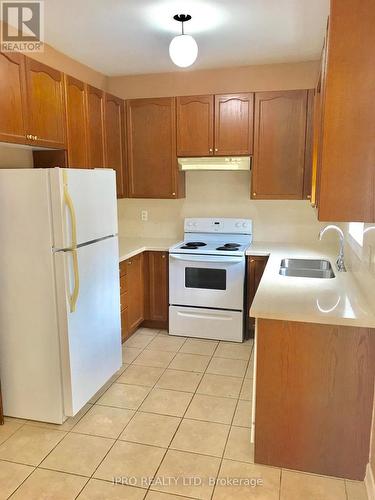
[{"x": 206, "y": 281}]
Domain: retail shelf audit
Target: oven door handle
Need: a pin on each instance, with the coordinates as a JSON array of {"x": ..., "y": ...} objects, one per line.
[{"x": 208, "y": 258}]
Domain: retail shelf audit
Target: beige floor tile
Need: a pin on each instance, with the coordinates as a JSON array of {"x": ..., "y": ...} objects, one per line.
[
  {"x": 67, "y": 425},
  {"x": 8, "y": 429},
  {"x": 239, "y": 446},
  {"x": 130, "y": 461},
  {"x": 129, "y": 354},
  {"x": 50, "y": 485},
  {"x": 219, "y": 385},
  {"x": 102, "y": 390},
  {"x": 250, "y": 368},
  {"x": 151, "y": 332},
  {"x": 11, "y": 476},
  {"x": 156, "y": 495},
  {"x": 203, "y": 347},
  {"x": 96, "y": 489},
  {"x": 124, "y": 396},
  {"x": 166, "y": 343},
  {"x": 139, "y": 341},
  {"x": 140, "y": 375},
  {"x": 78, "y": 454},
  {"x": 212, "y": 409},
  {"x": 29, "y": 445},
  {"x": 247, "y": 390},
  {"x": 165, "y": 332},
  {"x": 229, "y": 367},
  {"x": 356, "y": 490},
  {"x": 234, "y": 351},
  {"x": 157, "y": 359},
  {"x": 258, "y": 482},
  {"x": 243, "y": 415},
  {"x": 104, "y": 421},
  {"x": 14, "y": 419},
  {"x": 295, "y": 485},
  {"x": 206, "y": 438},
  {"x": 166, "y": 402},
  {"x": 185, "y": 467},
  {"x": 152, "y": 429},
  {"x": 178, "y": 380},
  {"x": 190, "y": 362}
]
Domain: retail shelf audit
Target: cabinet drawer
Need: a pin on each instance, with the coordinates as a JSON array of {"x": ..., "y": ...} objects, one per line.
[
  {"x": 123, "y": 268},
  {"x": 123, "y": 300}
]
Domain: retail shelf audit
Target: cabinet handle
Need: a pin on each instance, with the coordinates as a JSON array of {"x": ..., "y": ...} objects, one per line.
[
  {"x": 28, "y": 136},
  {"x": 35, "y": 137},
  {"x": 163, "y": 256},
  {"x": 308, "y": 196},
  {"x": 254, "y": 194},
  {"x": 216, "y": 150},
  {"x": 173, "y": 194},
  {"x": 211, "y": 150},
  {"x": 129, "y": 262}
]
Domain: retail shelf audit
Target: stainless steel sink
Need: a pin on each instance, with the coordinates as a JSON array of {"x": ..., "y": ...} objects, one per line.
[{"x": 306, "y": 268}]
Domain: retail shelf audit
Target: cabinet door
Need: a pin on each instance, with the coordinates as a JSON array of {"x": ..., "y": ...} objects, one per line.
[
  {"x": 12, "y": 98},
  {"x": 75, "y": 98},
  {"x": 95, "y": 127},
  {"x": 255, "y": 269},
  {"x": 135, "y": 292},
  {"x": 279, "y": 148},
  {"x": 152, "y": 162},
  {"x": 45, "y": 104},
  {"x": 195, "y": 124},
  {"x": 156, "y": 289},
  {"x": 114, "y": 139},
  {"x": 234, "y": 124}
]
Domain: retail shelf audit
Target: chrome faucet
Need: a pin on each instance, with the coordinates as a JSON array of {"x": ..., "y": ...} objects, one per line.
[{"x": 340, "y": 262}]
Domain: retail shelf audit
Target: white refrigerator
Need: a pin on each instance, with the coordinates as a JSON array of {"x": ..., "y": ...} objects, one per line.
[{"x": 60, "y": 334}]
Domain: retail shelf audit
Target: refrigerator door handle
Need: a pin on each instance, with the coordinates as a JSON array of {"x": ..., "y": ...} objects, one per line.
[
  {"x": 69, "y": 203},
  {"x": 74, "y": 296}
]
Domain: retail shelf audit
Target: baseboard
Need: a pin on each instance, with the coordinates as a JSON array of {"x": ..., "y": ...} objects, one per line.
[{"x": 370, "y": 483}]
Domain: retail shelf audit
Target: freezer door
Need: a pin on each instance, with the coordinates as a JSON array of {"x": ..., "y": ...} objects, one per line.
[
  {"x": 90, "y": 337},
  {"x": 88, "y": 201}
]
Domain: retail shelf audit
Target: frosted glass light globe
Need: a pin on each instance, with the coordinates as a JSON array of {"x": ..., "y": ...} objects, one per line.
[{"x": 183, "y": 50}]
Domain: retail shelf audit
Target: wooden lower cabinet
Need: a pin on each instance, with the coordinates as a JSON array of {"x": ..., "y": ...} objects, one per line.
[
  {"x": 144, "y": 292},
  {"x": 156, "y": 289},
  {"x": 256, "y": 265},
  {"x": 314, "y": 397}
]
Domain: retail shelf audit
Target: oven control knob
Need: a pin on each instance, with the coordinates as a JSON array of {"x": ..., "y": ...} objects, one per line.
[
  {"x": 244, "y": 224},
  {"x": 238, "y": 224}
]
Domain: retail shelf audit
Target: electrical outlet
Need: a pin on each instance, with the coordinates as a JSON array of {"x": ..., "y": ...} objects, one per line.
[{"x": 144, "y": 215}]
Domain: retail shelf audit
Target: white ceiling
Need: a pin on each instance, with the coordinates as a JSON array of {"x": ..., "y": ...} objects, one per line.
[{"x": 120, "y": 37}]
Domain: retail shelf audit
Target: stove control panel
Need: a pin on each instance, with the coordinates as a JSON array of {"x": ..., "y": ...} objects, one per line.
[{"x": 220, "y": 225}]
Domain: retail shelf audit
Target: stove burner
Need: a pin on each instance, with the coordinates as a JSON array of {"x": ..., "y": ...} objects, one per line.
[
  {"x": 232, "y": 249},
  {"x": 189, "y": 247},
  {"x": 195, "y": 244},
  {"x": 232, "y": 245}
]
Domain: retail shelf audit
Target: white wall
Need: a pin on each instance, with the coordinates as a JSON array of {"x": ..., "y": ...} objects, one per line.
[{"x": 15, "y": 156}]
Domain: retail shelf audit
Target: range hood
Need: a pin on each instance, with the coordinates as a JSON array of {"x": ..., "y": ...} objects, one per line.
[{"x": 215, "y": 163}]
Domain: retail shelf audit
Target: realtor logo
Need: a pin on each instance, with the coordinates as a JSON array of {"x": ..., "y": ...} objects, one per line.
[{"x": 22, "y": 27}]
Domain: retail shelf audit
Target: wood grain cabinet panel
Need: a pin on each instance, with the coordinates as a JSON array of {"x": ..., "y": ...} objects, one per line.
[
  {"x": 314, "y": 397},
  {"x": 114, "y": 139},
  {"x": 12, "y": 98},
  {"x": 195, "y": 125},
  {"x": 135, "y": 292},
  {"x": 151, "y": 145},
  {"x": 279, "y": 145},
  {"x": 156, "y": 289},
  {"x": 95, "y": 127},
  {"x": 75, "y": 99},
  {"x": 346, "y": 184},
  {"x": 234, "y": 124},
  {"x": 256, "y": 265},
  {"x": 45, "y": 105}
]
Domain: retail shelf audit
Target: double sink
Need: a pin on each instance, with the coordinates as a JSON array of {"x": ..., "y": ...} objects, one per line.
[{"x": 306, "y": 268}]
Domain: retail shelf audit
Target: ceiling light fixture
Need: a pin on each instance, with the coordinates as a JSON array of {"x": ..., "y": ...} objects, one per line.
[{"x": 183, "y": 49}]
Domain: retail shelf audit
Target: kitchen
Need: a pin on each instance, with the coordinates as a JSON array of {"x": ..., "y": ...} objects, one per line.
[{"x": 254, "y": 358}]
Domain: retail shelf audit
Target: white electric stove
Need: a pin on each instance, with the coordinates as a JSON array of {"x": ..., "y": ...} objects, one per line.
[{"x": 207, "y": 277}]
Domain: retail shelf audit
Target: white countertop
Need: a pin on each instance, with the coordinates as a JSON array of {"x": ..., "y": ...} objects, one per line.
[
  {"x": 336, "y": 301},
  {"x": 128, "y": 247}
]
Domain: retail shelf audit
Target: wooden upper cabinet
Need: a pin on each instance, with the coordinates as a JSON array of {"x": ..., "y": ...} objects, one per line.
[
  {"x": 75, "y": 98},
  {"x": 152, "y": 163},
  {"x": 195, "y": 125},
  {"x": 234, "y": 124},
  {"x": 114, "y": 138},
  {"x": 279, "y": 145},
  {"x": 95, "y": 126},
  {"x": 45, "y": 104},
  {"x": 347, "y": 128},
  {"x": 12, "y": 94}
]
